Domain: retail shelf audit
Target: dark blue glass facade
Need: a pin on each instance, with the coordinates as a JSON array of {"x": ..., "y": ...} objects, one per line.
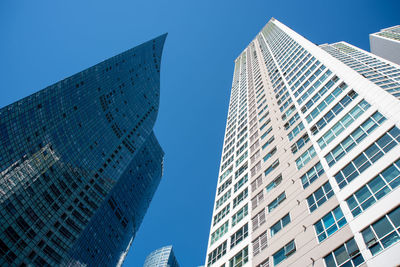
[{"x": 79, "y": 163}]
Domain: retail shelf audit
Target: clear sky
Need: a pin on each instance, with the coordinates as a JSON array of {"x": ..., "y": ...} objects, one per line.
[{"x": 43, "y": 42}]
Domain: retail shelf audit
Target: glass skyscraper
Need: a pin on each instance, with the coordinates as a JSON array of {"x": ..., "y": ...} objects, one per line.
[
  {"x": 80, "y": 163},
  {"x": 162, "y": 257},
  {"x": 310, "y": 165}
]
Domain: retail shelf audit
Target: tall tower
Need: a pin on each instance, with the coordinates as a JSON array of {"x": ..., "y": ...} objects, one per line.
[
  {"x": 162, "y": 257},
  {"x": 310, "y": 164},
  {"x": 386, "y": 43},
  {"x": 80, "y": 163}
]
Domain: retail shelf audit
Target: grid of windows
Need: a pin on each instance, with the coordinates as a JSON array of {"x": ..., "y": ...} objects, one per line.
[
  {"x": 238, "y": 216},
  {"x": 311, "y": 175},
  {"x": 347, "y": 254},
  {"x": 343, "y": 124},
  {"x": 296, "y": 130},
  {"x": 320, "y": 196},
  {"x": 333, "y": 112},
  {"x": 216, "y": 254},
  {"x": 354, "y": 138},
  {"x": 239, "y": 235},
  {"x": 299, "y": 143},
  {"x": 240, "y": 183},
  {"x": 321, "y": 93},
  {"x": 284, "y": 252},
  {"x": 329, "y": 224},
  {"x": 240, "y": 197},
  {"x": 383, "y": 233},
  {"x": 219, "y": 232},
  {"x": 279, "y": 225},
  {"x": 374, "y": 190},
  {"x": 313, "y": 87},
  {"x": 220, "y": 215},
  {"x": 240, "y": 259},
  {"x": 223, "y": 199},
  {"x": 305, "y": 157},
  {"x": 373, "y": 153},
  {"x": 329, "y": 99}
]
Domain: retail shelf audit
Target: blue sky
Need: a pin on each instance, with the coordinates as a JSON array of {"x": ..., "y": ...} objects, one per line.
[{"x": 43, "y": 42}]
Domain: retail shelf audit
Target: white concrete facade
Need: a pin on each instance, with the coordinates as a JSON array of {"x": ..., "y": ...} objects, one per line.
[
  {"x": 280, "y": 161},
  {"x": 386, "y": 43}
]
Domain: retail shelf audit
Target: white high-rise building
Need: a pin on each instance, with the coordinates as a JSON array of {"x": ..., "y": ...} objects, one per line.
[
  {"x": 310, "y": 164},
  {"x": 386, "y": 43}
]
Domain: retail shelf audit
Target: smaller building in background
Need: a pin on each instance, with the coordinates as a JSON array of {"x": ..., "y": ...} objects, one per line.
[
  {"x": 386, "y": 43},
  {"x": 162, "y": 257}
]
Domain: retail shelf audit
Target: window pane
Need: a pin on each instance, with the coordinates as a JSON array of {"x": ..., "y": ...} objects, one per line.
[
  {"x": 363, "y": 194},
  {"x": 382, "y": 227},
  {"x": 390, "y": 173},
  {"x": 341, "y": 255},
  {"x": 395, "y": 217}
]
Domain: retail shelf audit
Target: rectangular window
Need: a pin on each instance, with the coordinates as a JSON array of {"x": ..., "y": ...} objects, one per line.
[
  {"x": 268, "y": 142},
  {"x": 305, "y": 157},
  {"x": 321, "y": 93},
  {"x": 279, "y": 225},
  {"x": 284, "y": 252},
  {"x": 238, "y": 216},
  {"x": 383, "y": 233},
  {"x": 260, "y": 243},
  {"x": 320, "y": 196},
  {"x": 222, "y": 199},
  {"x": 240, "y": 259},
  {"x": 329, "y": 99},
  {"x": 216, "y": 254},
  {"x": 242, "y": 157},
  {"x": 313, "y": 87},
  {"x": 219, "y": 232},
  {"x": 224, "y": 185},
  {"x": 269, "y": 154},
  {"x": 274, "y": 183},
  {"x": 347, "y": 254},
  {"x": 299, "y": 143},
  {"x": 329, "y": 224},
  {"x": 369, "y": 156},
  {"x": 359, "y": 134},
  {"x": 240, "y": 198},
  {"x": 311, "y": 175},
  {"x": 272, "y": 167},
  {"x": 341, "y": 125},
  {"x": 374, "y": 190},
  {"x": 240, "y": 183},
  {"x": 220, "y": 215},
  {"x": 239, "y": 235},
  {"x": 332, "y": 113},
  {"x": 296, "y": 130},
  {"x": 275, "y": 203}
]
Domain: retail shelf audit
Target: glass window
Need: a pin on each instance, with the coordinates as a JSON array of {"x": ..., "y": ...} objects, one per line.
[
  {"x": 368, "y": 157},
  {"x": 383, "y": 233},
  {"x": 311, "y": 175},
  {"x": 284, "y": 252},
  {"x": 280, "y": 224},
  {"x": 320, "y": 196},
  {"x": 329, "y": 224},
  {"x": 347, "y": 254}
]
